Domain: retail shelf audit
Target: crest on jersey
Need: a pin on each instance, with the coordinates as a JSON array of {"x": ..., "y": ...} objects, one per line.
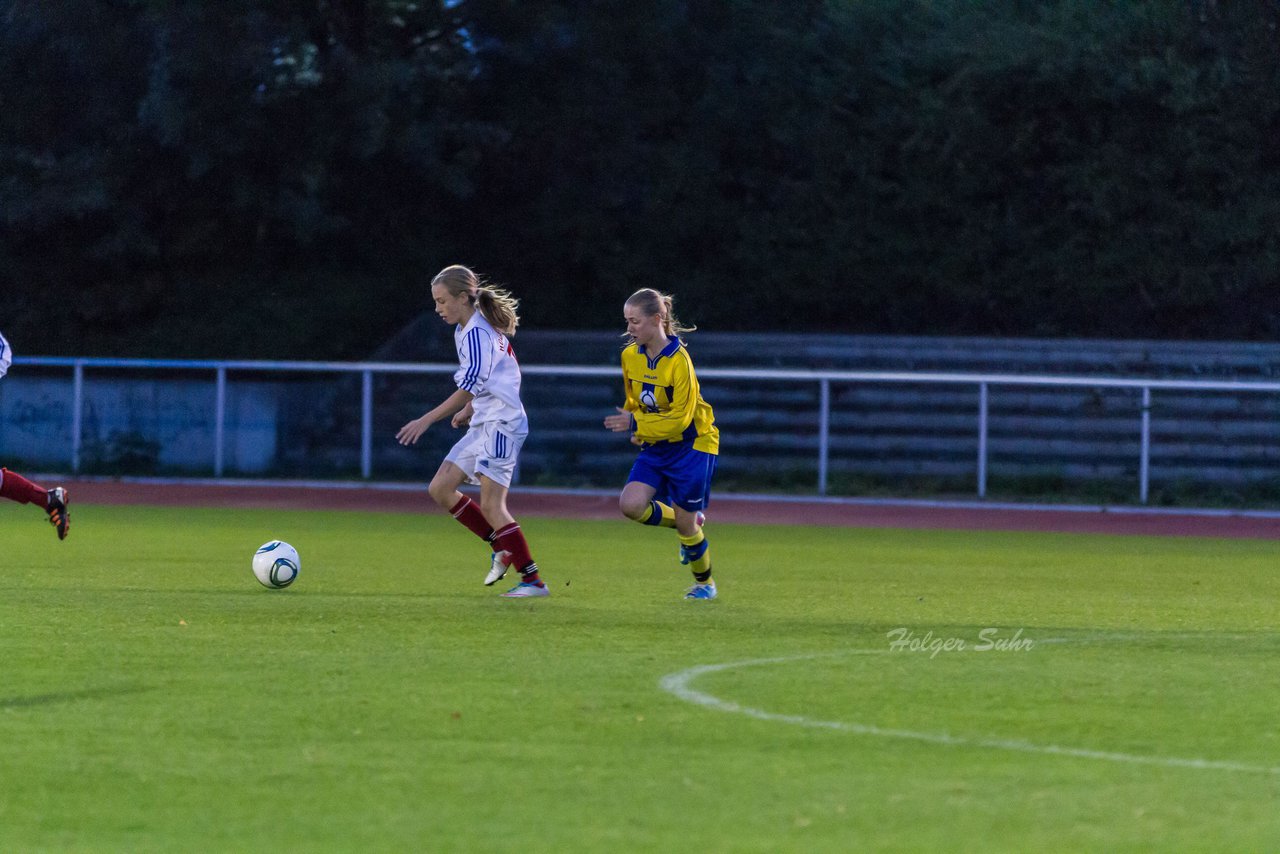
[{"x": 648, "y": 399}]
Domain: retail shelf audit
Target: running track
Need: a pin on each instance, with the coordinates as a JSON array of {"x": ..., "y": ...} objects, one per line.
[{"x": 967, "y": 516}]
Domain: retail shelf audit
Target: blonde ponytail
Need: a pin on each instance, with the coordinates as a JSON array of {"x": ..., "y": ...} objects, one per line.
[
  {"x": 499, "y": 308},
  {"x": 496, "y": 304}
]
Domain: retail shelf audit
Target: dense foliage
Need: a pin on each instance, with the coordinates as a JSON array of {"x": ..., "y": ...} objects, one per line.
[{"x": 281, "y": 179}]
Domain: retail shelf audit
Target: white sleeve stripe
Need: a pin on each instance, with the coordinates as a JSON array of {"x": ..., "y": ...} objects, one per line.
[
  {"x": 473, "y": 356},
  {"x": 477, "y": 357},
  {"x": 466, "y": 378}
]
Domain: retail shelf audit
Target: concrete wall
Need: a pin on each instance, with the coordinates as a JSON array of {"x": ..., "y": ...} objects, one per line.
[{"x": 139, "y": 425}]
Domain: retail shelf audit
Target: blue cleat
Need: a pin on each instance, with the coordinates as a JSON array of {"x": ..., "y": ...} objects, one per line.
[
  {"x": 701, "y": 591},
  {"x": 526, "y": 590}
]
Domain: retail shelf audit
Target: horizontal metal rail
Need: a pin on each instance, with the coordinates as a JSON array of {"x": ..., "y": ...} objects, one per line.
[
  {"x": 709, "y": 373},
  {"x": 822, "y": 379}
]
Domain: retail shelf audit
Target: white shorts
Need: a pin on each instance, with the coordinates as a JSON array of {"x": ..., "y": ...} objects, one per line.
[{"x": 490, "y": 450}]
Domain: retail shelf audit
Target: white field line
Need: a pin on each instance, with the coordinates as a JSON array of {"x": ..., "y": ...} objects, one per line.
[{"x": 677, "y": 684}]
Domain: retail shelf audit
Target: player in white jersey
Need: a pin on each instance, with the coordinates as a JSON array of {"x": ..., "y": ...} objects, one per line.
[
  {"x": 485, "y": 352},
  {"x": 487, "y": 401},
  {"x": 15, "y": 487}
]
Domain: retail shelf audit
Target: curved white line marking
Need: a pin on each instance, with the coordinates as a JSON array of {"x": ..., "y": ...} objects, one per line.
[{"x": 677, "y": 684}]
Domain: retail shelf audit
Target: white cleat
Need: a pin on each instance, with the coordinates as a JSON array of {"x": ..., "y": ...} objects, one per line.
[
  {"x": 497, "y": 569},
  {"x": 525, "y": 590}
]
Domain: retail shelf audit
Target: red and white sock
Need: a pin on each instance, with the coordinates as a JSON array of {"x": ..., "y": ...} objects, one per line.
[
  {"x": 510, "y": 539},
  {"x": 15, "y": 487},
  {"x": 468, "y": 513}
]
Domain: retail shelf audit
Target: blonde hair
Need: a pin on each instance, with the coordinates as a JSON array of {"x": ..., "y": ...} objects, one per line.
[
  {"x": 652, "y": 302},
  {"x": 496, "y": 304}
]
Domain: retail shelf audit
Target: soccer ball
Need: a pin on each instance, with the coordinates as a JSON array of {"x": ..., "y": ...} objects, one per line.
[{"x": 276, "y": 564}]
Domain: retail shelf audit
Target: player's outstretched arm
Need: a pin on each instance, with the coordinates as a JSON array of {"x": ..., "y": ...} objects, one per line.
[
  {"x": 462, "y": 417},
  {"x": 412, "y": 432},
  {"x": 620, "y": 422}
]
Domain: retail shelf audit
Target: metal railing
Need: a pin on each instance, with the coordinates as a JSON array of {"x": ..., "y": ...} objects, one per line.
[{"x": 823, "y": 380}]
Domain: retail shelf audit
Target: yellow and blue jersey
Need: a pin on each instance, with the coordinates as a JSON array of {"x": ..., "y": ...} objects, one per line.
[{"x": 664, "y": 398}]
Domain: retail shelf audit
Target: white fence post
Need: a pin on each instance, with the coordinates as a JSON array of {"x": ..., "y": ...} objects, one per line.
[
  {"x": 824, "y": 432},
  {"x": 983, "y": 401},
  {"x": 220, "y": 417},
  {"x": 77, "y": 413},
  {"x": 366, "y": 424},
  {"x": 1144, "y": 462}
]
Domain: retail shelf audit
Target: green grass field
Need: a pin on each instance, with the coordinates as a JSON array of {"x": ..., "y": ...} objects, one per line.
[{"x": 156, "y": 698}]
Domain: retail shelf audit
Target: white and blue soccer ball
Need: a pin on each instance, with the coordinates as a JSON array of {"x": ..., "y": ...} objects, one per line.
[{"x": 276, "y": 564}]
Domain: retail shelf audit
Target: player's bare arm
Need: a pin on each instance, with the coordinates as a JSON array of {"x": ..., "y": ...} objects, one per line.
[
  {"x": 410, "y": 433},
  {"x": 619, "y": 422},
  {"x": 462, "y": 417}
]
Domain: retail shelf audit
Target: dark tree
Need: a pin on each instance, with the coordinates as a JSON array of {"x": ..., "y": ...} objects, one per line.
[{"x": 281, "y": 179}]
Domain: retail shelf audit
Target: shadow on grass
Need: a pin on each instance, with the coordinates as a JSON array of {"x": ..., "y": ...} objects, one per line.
[{"x": 31, "y": 700}]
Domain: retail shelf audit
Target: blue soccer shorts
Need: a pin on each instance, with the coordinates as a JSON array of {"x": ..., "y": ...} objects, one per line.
[{"x": 679, "y": 475}]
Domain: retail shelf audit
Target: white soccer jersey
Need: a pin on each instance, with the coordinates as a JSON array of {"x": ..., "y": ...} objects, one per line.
[
  {"x": 6, "y": 356},
  {"x": 488, "y": 369}
]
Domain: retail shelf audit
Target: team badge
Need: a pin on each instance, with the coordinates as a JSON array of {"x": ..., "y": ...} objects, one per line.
[{"x": 649, "y": 400}]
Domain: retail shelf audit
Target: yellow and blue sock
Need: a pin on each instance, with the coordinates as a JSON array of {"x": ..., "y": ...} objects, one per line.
[
  {"x": 658, "y": 514},
  {"x": 695, "y": 551}
]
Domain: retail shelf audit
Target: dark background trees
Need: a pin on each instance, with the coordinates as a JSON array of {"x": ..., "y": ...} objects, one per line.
[{"x": 281, "y": 179}]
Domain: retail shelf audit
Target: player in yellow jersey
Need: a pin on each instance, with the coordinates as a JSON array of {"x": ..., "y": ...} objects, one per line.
[{"x": 675, "y": 429}]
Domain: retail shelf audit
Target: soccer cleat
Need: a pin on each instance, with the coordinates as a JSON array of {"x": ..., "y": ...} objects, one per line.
[
  {"x": 701, "y": 591},
  {"x": 497, "y": 569},
  {"x": 59, "y": 517},
  {"x": 526, "y": 590}
]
